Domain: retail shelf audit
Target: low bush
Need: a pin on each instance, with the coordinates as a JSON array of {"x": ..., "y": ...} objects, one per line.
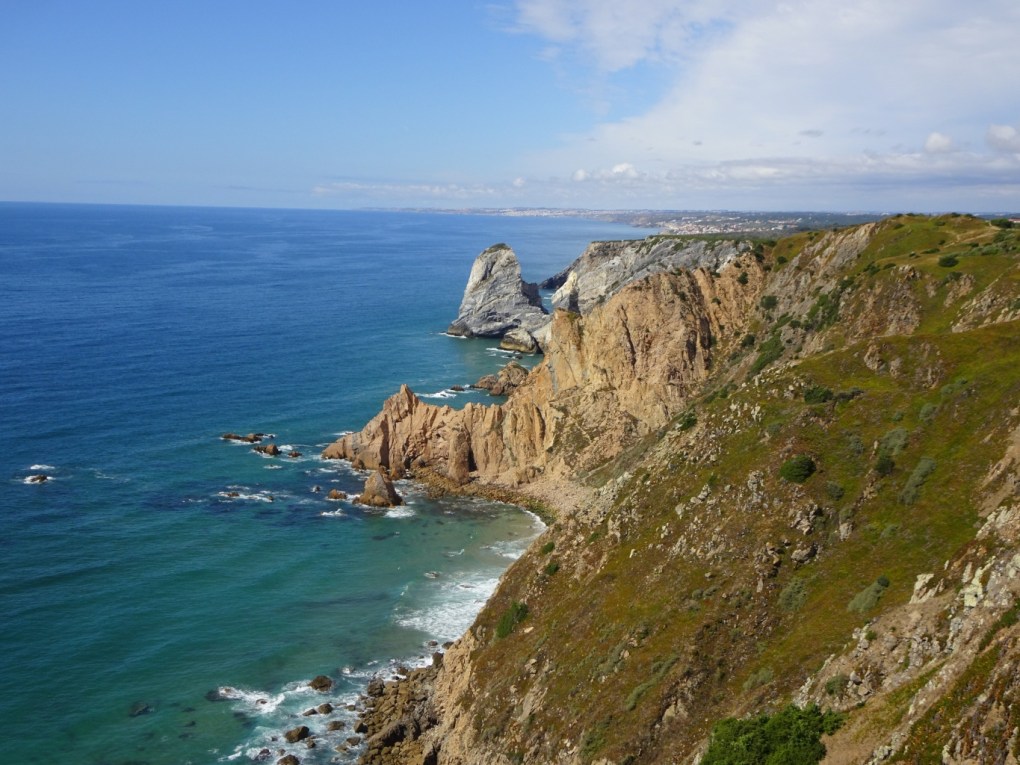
[
  {"x": 948, "y": 261},
  {"x": 925, "y": 467},
  {"x": 798, "y": 469},
  {"x": 818, "y": 394},
  {"x": 514, "y": 615},
  {"x": 792, "y": 736},
  {"x": 868, "y": 598}
]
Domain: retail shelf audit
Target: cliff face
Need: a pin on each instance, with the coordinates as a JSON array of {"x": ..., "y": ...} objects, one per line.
[
  {"x": 605, "y": 268},
  {"x": 804, "y": 479},
  {"x": 608, "y": 379}
]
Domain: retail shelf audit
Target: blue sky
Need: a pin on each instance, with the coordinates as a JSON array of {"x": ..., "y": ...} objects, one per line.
[{"x": 740, "y": 104}]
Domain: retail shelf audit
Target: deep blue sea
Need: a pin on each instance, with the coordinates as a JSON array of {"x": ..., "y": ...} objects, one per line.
[{"x": 161, "y": 563}]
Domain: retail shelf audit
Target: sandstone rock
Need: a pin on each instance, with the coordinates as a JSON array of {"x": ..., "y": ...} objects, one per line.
[
  {"x": 324, "y": 709},
  {"x": 509, "y": 378},
  {"x": 335, "y": 725},
  {"x": 321, "y": 683},
  {"x": 310, "y": 712},
  {"x": 288, "y": 759},
  {"x": 496, "y": 299},
  {"x": 294, "y": 735},
  {"x": 379, "y": 491},
  {"x": 270, "y": 450},
  {"x": 375, "y": 687},
  {"x": 336, "y": 494},
  {"x": 518, "y": 339},
  {"x": 295, "y": 454}
]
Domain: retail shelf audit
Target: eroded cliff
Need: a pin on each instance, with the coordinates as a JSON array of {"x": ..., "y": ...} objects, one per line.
[{"x": 804, "y": 477}]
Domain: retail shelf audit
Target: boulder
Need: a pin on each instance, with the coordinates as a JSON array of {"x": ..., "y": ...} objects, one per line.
[
  {"x": 375, "y": 687},
  {"x": 288, "y": 759},
  {"x": 38, "y": 478},
  {"x": 510, "y": 377},
  {"x": 251, "y": 438},
  {"x": 496, "y": 298},
  {"x": 324, "y": 709},
  {"x": 270, "y": 450},
  {"x": 379, "y": 491},
  {"x": 299, "y": 733},
  {"x": 519, "y": 339},
  {"x": 295, "y": 454},
  {"x": 336, "y": 494},
  {"x": 335, "y": 725},
  {"x": 321, "y": 683}
]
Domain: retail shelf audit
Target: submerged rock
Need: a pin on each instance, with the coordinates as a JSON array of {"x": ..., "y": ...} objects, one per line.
[
  {"x": 379, "y": 492},
  {"x": 496, "y": 298},
  {"x": 251, "y": 438},
  {"x": 38, "y": 478},
  {"x": 140, "y": 708}
]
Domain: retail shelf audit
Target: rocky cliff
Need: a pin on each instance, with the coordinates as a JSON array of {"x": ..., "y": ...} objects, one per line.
[
  {"x": 604, "y": 268},
  {"x": 801, "y": 476},
  {"x": 497, "y": 299}
]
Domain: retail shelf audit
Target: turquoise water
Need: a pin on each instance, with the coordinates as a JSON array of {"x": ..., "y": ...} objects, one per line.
[{"x": 132, "y": 581}]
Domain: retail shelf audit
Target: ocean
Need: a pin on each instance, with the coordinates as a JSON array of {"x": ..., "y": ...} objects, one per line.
[{"x": 167, "y": 595}]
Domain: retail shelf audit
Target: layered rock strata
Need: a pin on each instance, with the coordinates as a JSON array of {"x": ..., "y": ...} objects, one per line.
[
  {"x": 607, "y": 379},
  {"x": 496, "y": 298}
]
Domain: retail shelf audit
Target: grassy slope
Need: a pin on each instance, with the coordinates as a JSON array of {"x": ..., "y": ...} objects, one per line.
[{"x": 655, "y": 625}]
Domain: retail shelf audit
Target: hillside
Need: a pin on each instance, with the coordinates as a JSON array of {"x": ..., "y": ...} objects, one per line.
[{"x": 796, "y": 478}]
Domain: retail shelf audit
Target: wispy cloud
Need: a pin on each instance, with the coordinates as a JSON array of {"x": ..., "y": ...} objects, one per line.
[{"x": 903, "y": 92}]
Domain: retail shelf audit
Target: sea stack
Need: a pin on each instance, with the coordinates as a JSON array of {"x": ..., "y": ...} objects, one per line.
[{"x": 497, "y": 299}]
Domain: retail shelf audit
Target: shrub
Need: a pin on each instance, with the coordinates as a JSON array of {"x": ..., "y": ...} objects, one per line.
[
  {"x": 925, "y": 467},
  {"x": 1002, "y": 222},
  {"x": 927, "y": 413},
  {"x": 868, "y": 598},
  {"x": 817, "y": 394},
  {"x": 688, "y": 421},
  {"x": 893, "y": 442},
  {"x": 514, "y": 615},
  {"x": 835, "y": 491},
  {"x": 884, "y": 465},
  {"x": 798, "y": 469},
  {"x": 763, "y": 676},
  {"x": 747, "y": 341},
  {"x": 547, "y": 548},
  {"x": 768, "y": 302},
  {"x": 948, "y": 261},
  {"x": 768, "y": 352},
  {"x": 836, "y": 685},
  {"x": 552, "y": 568},
  {"x": 743, "y": 277},
  {"x": 781, "y": 259},
  {"x": 792, "y": 736},
  {"x": 793, "y": 595}
]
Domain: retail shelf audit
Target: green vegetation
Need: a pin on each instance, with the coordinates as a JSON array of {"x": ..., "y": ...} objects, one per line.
[
  {"x": 868, "y": 598},
  {"x": 547, "y": 548},
  {"x": 925, "y": 467},
  {"x": 948, "y": 261},
  {"x": 792, "y": 736},
  {"x": 768, "y": 302},
  {"x": 818, "y": 394},
  {"x": 768, "y": 351},
  {"x": 798, "y": 469},
  {"x": 514, "y": 615}
]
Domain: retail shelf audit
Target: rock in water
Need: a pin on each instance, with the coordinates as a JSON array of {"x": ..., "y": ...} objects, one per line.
[
  {"x": 497, "y": 299},
  {"x": 518, "y": 339},
  {"x": 379, "y": 492},
  {"x": 294, "y": 735},
  {"x": 509, "y": 379},
  {"x": 270, "y": 450},
  {"x": 321, "y": 683}
]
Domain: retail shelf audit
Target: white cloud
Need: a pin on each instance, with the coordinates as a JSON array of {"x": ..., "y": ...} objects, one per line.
[
  {"x": 791, "y": 93},
  {"x": 1004, "y": 138},
  {"x": 938, "y": 143}
]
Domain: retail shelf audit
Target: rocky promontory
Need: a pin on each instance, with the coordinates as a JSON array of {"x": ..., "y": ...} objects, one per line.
[
  {"x": 497, "y": 299},
  {"x": 707, "y": 575}
]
